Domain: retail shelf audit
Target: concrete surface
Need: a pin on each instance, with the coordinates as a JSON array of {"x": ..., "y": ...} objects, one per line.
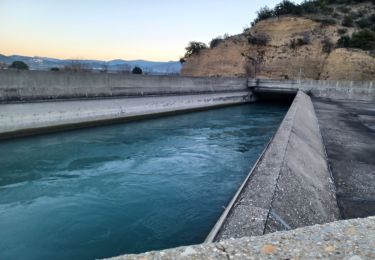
[
  {"x": 348, "y": 130},
  {"x": 47, "y": 85},
  {"x": 291, "y": 186},
  {"x": 29, "y": 118},
  {"x": 349, "y": 90},
  {"x": 349, "y": 240}
]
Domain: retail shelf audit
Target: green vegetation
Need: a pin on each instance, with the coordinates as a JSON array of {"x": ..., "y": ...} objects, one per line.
[
  {"x": 287, "y": 7},
  {"x": 328, "y": 46},
  {"x": 19, "y": 65},
  {"x": 342, "y": 31},
  {"x": 54, "y": 69},
  {"x": 348, "y": 21},
  {"x": 364, "y": 40},
  {"x": 194, "y": 48},
  {"x": 260, "y": 40},
  {"x": 216, "y": 41},
  {"x": 137, "y": 70}
]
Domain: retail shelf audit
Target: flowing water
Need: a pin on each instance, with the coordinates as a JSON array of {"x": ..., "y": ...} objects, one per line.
[{"x": 127, "y": 188}]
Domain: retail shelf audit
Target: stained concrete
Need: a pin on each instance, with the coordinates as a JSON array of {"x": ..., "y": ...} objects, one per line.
[
  {"x": 348, "y": 130},
  {"x": 291, "y": 185},
  {"x": 351, "y": 240}
]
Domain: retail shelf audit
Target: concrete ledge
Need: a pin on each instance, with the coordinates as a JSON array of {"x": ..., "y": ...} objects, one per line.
[
  {"x": 29, "y": 118},
  {"x": 291, "y": 185},
  {"x": 351, "y": 239}
]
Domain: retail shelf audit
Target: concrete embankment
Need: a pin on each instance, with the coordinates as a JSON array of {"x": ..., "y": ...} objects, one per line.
[
  {"x": 289, "y": 187},
  {"x": 37, "y": 102}
]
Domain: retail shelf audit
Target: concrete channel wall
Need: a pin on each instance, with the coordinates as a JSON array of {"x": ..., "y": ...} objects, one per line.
[
  {"x": 41, "y": 101},
  {"x": 44, "y": 85},
  {"x": 344, "y": 90},
  {"x": 289, "y": 187}
]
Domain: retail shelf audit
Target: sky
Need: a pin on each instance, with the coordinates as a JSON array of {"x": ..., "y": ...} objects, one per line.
[{"x": 157, "y": 30}]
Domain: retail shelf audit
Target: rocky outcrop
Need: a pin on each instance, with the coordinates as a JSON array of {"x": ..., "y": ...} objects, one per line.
[
  {"x": 349, "y": 64},
  {"x": 292, "y": 48}
]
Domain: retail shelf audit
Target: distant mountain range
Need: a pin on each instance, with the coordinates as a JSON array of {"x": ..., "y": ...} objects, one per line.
[{"x": 149, "y": 67}]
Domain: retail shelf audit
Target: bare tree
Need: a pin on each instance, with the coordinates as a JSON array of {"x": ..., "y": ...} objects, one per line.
[
  {"x": 76, "y": 65},
  {"x": 104, "y": 68},
  {"x": 3, "y": 66}
]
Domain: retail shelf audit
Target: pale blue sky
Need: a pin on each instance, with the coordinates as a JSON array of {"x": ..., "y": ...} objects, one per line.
[{"x": 109, "y": 29}]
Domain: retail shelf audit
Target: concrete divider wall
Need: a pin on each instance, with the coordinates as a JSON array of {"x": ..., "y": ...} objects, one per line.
[
  {"x": 353, "y": 90},
  {"x": 44, "y": 85},
  {"x": 20, "y": 119},
  {"x": 291, "y": 185}
]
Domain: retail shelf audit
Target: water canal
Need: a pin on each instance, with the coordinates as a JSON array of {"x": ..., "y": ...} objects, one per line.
[{"x": 127, "y": 188}]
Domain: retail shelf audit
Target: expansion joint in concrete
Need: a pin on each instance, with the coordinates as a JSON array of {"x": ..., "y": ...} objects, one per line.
[
  {"x": 221, "y": 248},
  {"x": 280, "y": 220}
]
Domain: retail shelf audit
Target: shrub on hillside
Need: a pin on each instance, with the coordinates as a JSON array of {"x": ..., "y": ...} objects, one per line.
[
  {"x": 364, "y": 40},
  {"x": 327, "y": 21},
  {"x": 342, "y": 31},
  {"x": 216, "y": 41},
  {"x": 137, "y": 70},
  {"x": 260, "y": 39},
  {"x": 194, "y": 48},
  {"x": 364, "y": 23},
  {"x": 343, "y": 42},
  {"x": 348, "y": 21},
  {"x": 327, "y": 45},
  {"x": 19, "y": 65}
]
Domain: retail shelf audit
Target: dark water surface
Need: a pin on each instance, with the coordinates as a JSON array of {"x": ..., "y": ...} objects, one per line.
[{"x": 127, "y": 188}]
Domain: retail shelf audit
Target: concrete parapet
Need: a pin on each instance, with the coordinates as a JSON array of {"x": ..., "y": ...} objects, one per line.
[
  {"x": 45, "y": 85},
  {"x": 349, "y": 90},
  {"x": 290, "y": 186},
  {"x": 350, "y": 239}
]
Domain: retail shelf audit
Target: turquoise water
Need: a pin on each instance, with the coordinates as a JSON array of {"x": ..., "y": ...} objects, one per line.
[{"x": 127, "y": 188}]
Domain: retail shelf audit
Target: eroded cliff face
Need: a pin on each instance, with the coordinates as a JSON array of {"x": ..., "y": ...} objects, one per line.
[{"x": 295, "y": 48}]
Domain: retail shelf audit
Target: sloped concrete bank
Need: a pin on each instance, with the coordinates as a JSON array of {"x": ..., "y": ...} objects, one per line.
[{"x": 289, "y": 187}]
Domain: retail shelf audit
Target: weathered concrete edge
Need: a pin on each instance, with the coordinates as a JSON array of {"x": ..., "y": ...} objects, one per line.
[
  {"x": 346, "y": 239},
  {"x": 290, "y": 187}
]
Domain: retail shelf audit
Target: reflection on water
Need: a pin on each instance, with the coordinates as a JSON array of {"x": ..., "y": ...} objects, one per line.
[{"x": 127, "y": 188}]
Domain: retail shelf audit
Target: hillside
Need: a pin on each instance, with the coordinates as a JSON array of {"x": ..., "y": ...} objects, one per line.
[
  {"x": 43, "y": 63},
  {"x": 332, "y": 44}
]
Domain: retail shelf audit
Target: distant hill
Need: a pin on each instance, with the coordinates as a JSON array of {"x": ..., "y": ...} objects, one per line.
[{"x": 149, "y": 67}]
